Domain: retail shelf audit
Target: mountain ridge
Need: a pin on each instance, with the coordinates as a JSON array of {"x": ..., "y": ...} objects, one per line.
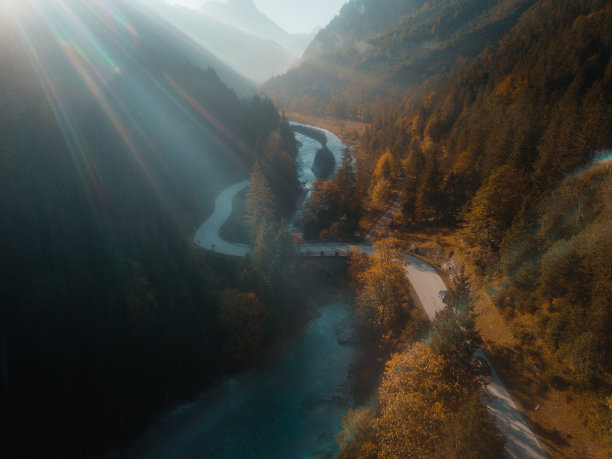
[
  {"x": 376, "y": 49},
  {"x": 253, "y": 57},
  {"x": 244, "y": 15}
]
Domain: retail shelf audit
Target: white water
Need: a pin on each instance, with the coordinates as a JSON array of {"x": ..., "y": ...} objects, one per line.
[
  {"x": 309, "y": 150},
  {"x": 305, "y": 160}
]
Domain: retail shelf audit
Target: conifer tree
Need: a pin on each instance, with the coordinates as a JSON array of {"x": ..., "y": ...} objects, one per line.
[
  {"x": 428, "y": 198},
  {"x": 382, "y": 181},
  {"x": 259, "y": 203},
  {"x": 346, "y": 182}
]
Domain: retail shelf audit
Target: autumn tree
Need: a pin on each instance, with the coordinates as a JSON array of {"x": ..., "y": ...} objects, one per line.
[
  {"x": 323, "y": 208},
  {"x": 428, "y": 199},
  {"x": 420, "y": 392},
  {"x": 413, "y": 167},
  {"x": 471, "y": 433},
  {"x": 357, "y": 438},
  {"x": 333, "y": 209},
  {"x": 453, "y": 336},
  {"x": 280, "y": 170},
  {"x": 381, "y": 298},
  {"x": 324, "y": 198},
  {"x": 492, "y": 211},
  {"x": 346, "y": 181},
  {"x": 381, "y": 186}
]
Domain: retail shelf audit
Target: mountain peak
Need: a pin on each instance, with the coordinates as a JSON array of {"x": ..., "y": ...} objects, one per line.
[
  {"x": 242, "y": 3},
  {"x": 245, "y": 16}
]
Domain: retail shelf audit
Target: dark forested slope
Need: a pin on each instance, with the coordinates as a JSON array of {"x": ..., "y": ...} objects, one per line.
[{"x": 113, "y": 144}]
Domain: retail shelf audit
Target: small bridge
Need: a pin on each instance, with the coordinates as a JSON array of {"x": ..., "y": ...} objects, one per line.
[{"x": 333, "y": 262}]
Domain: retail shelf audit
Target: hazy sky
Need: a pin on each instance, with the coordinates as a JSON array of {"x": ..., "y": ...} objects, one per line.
[{"x": 292, "y": 15}]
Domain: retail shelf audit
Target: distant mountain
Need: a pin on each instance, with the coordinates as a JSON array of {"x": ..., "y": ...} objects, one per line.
[
  {"x": 175, "y": 39},
  {"x": 375, "y": 48},
  {"x": 244, "y": 15},
  {"x": 256, "y": 58}
]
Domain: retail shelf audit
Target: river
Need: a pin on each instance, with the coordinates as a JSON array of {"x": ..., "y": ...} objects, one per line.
[
  {"x": 308, "y": 152},
  {"x": 306, "y": 158},
  {"x": 290, "y": 407}
]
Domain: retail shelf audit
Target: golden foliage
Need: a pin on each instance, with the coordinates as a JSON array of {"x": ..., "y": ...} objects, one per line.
[
  {"x": 381, "y": 296},
  {"x": 419, "y": 393}
]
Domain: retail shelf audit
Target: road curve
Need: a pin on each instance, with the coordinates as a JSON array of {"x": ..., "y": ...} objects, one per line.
[
  {"x": 521, "y": 442},
  {"x": 207, "y": 236}
]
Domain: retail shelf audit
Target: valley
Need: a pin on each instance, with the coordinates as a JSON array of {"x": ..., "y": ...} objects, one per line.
[{"x": 262, "y": 228}]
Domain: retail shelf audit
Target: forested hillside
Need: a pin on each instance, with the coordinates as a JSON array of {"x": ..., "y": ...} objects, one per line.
[
  {"x": 376, "y": 49},
  {"x": 113, "y": 146},
  {"x": 509, "y": 147}
]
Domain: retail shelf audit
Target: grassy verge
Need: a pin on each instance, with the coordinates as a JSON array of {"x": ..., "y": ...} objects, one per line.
[{"x": 348, "y": 131}]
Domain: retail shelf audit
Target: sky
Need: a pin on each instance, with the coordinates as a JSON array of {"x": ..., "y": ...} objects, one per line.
[{"x": 295, "y": 16}]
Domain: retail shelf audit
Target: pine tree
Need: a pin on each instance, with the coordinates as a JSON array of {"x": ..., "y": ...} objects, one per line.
[
  {"x": 346, "y": 182},
  {"x": 259, "y": 203},
  {"x": 381, "y": 186},
  {"x": 428, "y": 198},
  {"x": 413, "y": 169}
]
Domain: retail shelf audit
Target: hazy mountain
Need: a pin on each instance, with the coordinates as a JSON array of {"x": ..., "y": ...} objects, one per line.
[
  {"x": 377, "y": 47},
  {"x": 182, "y": 44},
  {"x": 244, "y": 15},
  {"x": 254, "y": 57}
]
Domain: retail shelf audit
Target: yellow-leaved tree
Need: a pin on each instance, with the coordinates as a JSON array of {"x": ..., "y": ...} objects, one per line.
[
  {"x": 381, "y": 299},
  {"x": 420, "y": 392},
  {"x": 259, "y": 204},
  {"x": 381, "y": 186}
]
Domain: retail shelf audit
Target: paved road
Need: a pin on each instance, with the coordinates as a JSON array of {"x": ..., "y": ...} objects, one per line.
[
  {"x": 521, "y": 441},
  {"x": 208, "y": 237}
]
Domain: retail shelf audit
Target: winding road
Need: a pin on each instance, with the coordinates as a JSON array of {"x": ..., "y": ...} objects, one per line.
[{"x": 521, "y": 441}]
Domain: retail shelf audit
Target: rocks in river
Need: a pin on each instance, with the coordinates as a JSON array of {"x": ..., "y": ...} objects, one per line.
[{"x": 324, "y": 163}]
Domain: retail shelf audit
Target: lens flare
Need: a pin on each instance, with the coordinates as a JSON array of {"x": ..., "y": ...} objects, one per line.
[{"x": 79, "y": 51}]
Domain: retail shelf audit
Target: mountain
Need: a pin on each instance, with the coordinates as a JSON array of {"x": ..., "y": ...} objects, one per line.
[
  {"x": 173, "y": 38},
  {"x": 495, "y": 119},
  {"x": 256, "y": 58},
  {"x": 244, "y": 15},
  {"x": 116, "y": 137},
  {"x": 375, "y": 48}
]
